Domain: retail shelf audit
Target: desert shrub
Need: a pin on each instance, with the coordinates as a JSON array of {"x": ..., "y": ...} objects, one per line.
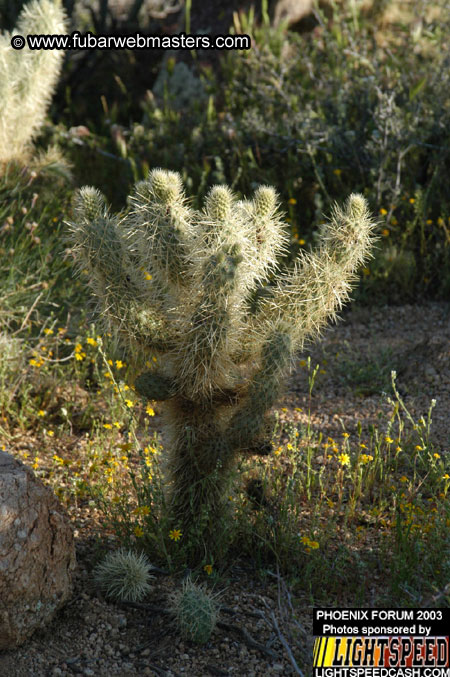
[
  {"x": 319, "y": 115},
  {"x": 352, "y": 115}
]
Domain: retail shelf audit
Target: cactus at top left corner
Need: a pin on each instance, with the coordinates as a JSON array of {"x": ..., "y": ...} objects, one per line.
[{"x": 28, "y": 77}]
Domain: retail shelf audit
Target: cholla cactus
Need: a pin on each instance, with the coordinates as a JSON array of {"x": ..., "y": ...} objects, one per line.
[
  {"x": 202, "y": 293},
  {"x": 28, "y": 77}
]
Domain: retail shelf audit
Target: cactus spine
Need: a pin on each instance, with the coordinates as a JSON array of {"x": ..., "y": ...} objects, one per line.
[
  {"x": 28, "y": 77},
  {"x": 203, "y": 292}
]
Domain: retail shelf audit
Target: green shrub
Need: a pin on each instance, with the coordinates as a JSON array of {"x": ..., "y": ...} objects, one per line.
[{"x": 348, "y": 116}]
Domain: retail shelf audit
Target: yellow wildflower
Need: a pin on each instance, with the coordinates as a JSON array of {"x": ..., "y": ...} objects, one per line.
[
  {"x": 138, "y": 532},
  {"x": 175, "y": 534},
  {"x": 208, "y": 568},
  {"x": 344, "y": 459},
  {"x": 141, "y": 510},
  {"x": 149, "y": 411}
]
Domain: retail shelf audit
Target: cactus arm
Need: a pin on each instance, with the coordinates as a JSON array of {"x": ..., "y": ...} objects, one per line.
[
  {"x": 264, "y": 389},
  {"x": 101, "y": 250},
  {"x": 349, "y": 235},
  {"x": 161, "y": 229},
  {"x": 266, "y": 230},
  {"x": 309, "y": 295},
  {"x": 212, "y": 316}
]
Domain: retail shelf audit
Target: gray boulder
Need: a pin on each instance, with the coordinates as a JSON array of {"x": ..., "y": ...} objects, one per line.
[{"x": 37, "y": 553}]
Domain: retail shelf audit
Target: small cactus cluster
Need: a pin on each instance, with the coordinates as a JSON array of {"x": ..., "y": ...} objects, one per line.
[
  {"x": 195, "y": 611},
  {"x": 28, "y": 77},
  {"x": 124, "y": 576},
  {"x": 211, "y": 314}
]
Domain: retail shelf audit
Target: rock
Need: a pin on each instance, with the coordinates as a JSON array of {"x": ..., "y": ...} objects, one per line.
[
  {"x": 291, "y": 11},
  {"x": 37, "y": 553}
]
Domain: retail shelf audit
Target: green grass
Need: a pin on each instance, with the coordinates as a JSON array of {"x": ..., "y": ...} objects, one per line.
[{"x": 370, "y": 375}]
